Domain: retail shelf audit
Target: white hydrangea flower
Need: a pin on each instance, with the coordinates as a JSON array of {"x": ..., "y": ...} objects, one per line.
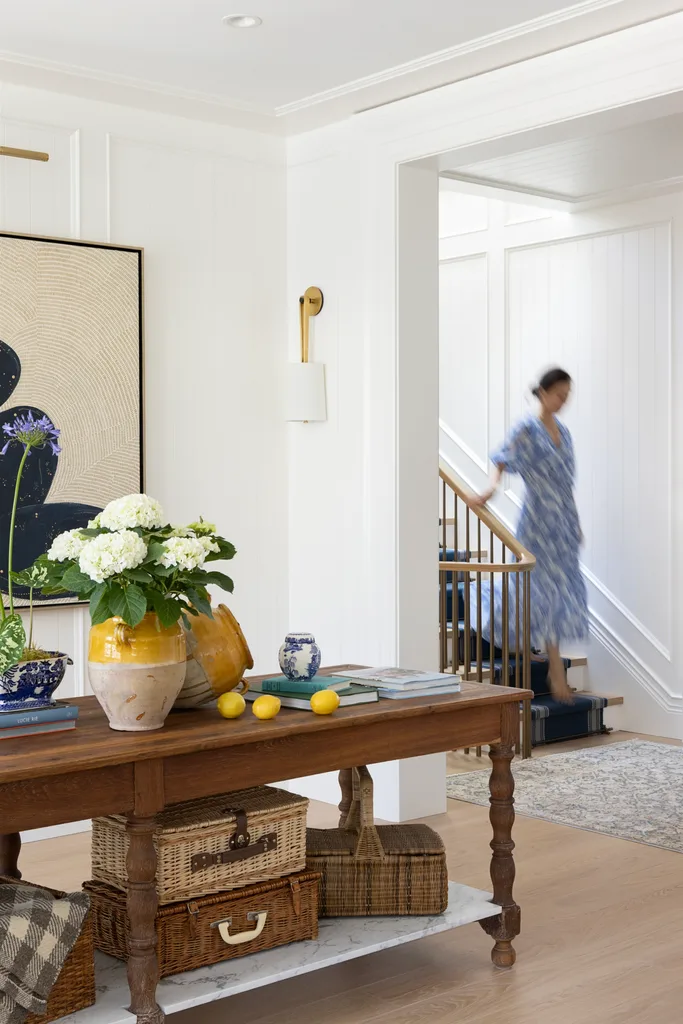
[
  {"x": 131, "y": 511},
  {"x": 183, "y": 552},
  {"x": 209, "y": 544},
  {"x": 67, "y": 546},
  {"x": 182, "y": 531},
  {"x": 94, "y": 524},
  {"x": 111, "y": 553}
]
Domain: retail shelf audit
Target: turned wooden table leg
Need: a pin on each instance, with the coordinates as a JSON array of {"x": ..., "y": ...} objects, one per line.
[
  {"x": 142, "y": 902},
  {"x": 346, "y": 786},
  {"x": 10, "y": 848},
  {"x": 505, "y": 926}
]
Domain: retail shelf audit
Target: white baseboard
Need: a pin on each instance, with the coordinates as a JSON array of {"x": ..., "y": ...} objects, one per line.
[{"x": 54, "y": 831}]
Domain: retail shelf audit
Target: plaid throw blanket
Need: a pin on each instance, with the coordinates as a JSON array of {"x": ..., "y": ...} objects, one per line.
[{"x": 37, "y": 933}]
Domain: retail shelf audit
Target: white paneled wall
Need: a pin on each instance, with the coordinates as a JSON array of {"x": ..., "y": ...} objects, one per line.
[
  {"x": 590, "y": 292},
  {"x": 208, "y": 205},
  {"x": 463, "y": 383}
]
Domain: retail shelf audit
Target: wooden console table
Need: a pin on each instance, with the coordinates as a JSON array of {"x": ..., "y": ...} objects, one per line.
[{"x": 55, "y": 778}]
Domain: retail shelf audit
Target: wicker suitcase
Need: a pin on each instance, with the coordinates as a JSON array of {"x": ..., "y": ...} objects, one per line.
[
  {"x": 370, "y": 870},
  {"x": 207, "y": 931},
  {"x": 212, "y": 845},
  {"x": 75, "y": 987}
]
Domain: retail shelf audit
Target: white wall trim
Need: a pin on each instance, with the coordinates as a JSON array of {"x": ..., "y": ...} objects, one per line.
[
  {"x": 644, "y": 676},
  {"x": 545, "y": 243},
  {"x": 628, "y": 615},
  {"x": 75, "y": 141},
  {"x": 472, "y": 455},
  {"x": 450, "y": 53}
]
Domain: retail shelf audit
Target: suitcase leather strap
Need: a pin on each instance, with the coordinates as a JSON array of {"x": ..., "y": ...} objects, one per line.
[{"x": 240, "y": 846}]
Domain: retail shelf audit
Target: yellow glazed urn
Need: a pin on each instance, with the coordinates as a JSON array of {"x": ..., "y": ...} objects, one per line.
[
  {"x": 217, "y": 657},
  {"x": 136, "y": 672}
]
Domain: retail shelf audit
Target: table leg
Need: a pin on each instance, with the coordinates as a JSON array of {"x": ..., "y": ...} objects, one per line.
[
  {"x": 143, "y": 968},
  {"x": 346, "y": 786},
  {"x": 506, "y": 925},
  {"x": 10, "y": 848}
]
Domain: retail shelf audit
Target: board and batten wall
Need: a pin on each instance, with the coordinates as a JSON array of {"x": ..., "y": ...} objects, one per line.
[
  {"x": 207, "y": 203},
  {"x": 523, "y": 288}
]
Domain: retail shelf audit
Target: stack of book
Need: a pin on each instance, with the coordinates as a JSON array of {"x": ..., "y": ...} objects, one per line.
[
  {"x": 399, "y": 683},
  {"x": 297, "y": 693},
  {"x": 28, "y": 723}
]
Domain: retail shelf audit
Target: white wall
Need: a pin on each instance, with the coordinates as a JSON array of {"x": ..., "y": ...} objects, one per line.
[
  {"x": 523, "y": 289},
  {"x": 208, "y": 205}
]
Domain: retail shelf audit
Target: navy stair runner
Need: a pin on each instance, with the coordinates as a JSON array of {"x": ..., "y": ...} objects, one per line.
[{"x": 551, "y": 720}]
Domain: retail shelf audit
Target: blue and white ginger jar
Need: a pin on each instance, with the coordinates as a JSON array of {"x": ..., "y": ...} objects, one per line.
[{"x": 299, "y": 656}]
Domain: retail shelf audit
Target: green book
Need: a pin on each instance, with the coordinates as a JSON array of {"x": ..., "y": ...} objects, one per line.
[
  {"x": 350, "y": 695},
  {"x": 281, "y": 684}
]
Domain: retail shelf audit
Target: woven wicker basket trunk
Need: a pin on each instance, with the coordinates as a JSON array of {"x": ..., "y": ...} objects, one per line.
[
  {"x": 207, "y": 931},
  {"x": 75, "y": 987},
  {"x": 370, "y": 870},
  {"x": 212, "y": 845}
]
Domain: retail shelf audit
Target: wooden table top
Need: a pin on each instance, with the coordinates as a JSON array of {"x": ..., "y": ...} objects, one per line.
[{"x": 92, "y": 744}]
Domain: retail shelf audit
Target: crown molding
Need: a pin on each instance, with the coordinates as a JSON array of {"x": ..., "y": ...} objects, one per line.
[
  {"x": 449, "y": 54},
  {"x": 332, "y": 105},
  {"x": 126, "y": 81}
]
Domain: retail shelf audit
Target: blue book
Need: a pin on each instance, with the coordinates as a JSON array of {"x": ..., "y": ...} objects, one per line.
[
  {"x": 41, "y": 716},
  {"x": 281, "y": 684}
]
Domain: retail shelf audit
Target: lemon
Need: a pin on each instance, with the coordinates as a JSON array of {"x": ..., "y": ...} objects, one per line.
[
  {"x": 231, "y": 704},
  {"x": 266, "y": 706},
  {"x": 324, "y": 702}
]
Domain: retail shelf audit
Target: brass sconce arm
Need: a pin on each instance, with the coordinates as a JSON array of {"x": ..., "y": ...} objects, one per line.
[
  {"x": 24, "y": 154},
  {"x": 310, "y": 304}
]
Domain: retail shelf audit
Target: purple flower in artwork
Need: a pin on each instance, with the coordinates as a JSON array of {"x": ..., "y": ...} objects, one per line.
[{"x": 32, "y": 433}]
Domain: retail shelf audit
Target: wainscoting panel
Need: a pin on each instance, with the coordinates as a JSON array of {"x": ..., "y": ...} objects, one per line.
[{"x": 463, "y": 382}]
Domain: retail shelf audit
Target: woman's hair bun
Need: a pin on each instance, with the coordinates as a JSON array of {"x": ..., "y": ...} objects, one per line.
[{"x": 549, "y": 379}]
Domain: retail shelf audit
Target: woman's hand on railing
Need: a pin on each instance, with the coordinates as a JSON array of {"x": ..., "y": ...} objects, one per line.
[{"x": 479, "y": 500}]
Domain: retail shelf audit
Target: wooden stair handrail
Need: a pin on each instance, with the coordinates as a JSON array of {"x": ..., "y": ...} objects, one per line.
[{"x": 525, "y": 560}]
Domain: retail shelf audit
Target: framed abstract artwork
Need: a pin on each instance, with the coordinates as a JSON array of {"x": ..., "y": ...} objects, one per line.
[{"x": 71, "y": 323}]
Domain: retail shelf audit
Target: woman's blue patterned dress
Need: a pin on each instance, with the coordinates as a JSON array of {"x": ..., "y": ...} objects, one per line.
[{"x": 549, "y": 528}]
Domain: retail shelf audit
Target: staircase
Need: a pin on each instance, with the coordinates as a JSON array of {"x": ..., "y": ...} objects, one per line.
[{"x": 478, "y": 556}]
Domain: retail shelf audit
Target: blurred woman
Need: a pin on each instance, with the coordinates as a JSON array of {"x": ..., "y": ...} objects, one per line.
[{"x": 540, "y": 450}]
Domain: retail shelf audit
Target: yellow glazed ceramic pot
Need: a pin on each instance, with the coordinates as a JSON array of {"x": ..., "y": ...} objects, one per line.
[
  {"x": 137, "y": 672},
  {"x": 217, "y": 658}
]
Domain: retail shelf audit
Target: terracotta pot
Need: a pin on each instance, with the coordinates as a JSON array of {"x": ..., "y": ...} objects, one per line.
[
  {"x": 217, "y": 658},
  {"x": 136, "y": 673}
]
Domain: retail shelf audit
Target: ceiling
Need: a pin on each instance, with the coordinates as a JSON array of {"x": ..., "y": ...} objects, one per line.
[
  {"x": 331, "y": 56},
  {"x": 598, "y": 162}
]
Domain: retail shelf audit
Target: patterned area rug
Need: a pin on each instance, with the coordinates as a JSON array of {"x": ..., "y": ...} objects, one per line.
[{"x": 631, "y": 790}]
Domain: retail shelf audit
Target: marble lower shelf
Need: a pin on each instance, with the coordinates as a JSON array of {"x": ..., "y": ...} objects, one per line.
[{"x": 339, "y": 939}]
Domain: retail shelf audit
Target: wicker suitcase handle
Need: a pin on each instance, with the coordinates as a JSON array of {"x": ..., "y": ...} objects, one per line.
[
  {"x": 237, "y": 940},
  {"x": 361, "y": 818}
]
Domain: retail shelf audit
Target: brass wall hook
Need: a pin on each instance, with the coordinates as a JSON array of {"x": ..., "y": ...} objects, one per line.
[{"x": 310, "y": 304}]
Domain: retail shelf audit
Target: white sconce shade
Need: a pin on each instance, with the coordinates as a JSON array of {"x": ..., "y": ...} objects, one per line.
[{"x": 306, "y": 401}]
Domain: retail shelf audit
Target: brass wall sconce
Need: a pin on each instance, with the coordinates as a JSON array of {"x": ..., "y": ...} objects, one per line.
[{"x": 306, "y": 400}]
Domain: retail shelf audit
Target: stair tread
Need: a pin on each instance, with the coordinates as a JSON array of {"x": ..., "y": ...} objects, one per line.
[{"x": 612, "y": 699}]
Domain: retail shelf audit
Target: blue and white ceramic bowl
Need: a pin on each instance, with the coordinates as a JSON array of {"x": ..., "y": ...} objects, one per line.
[
  {"x": 299, "y": 656},
  {"x": 30, "y": 684}
]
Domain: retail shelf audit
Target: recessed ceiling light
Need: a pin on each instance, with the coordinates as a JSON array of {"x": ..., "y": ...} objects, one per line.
[{"x": 241, "y": 21}]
